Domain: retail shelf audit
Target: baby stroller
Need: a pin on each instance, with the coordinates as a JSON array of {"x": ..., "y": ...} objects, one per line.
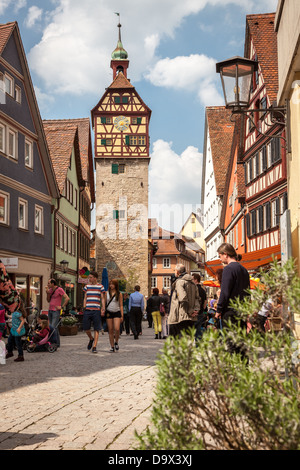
[{"x": 46, "y": 344}]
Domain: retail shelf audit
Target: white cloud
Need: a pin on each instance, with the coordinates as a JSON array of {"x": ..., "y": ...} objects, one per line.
[
  {"x": 175, "y": 184},
  {"x": 196, "y": 73},
  {"x": 73, "y": 55},
  {"x": 34, "y": 14},
  {"x": 18, "y": 4}
]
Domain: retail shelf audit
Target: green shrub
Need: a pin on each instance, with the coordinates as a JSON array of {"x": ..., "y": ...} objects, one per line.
[{"x": 209, "y": 398}]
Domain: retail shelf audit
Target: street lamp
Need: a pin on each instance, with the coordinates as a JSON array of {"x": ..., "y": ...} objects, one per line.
[
  {"x": 64, "y": 265},
  {"x": 237, "y": 77}
]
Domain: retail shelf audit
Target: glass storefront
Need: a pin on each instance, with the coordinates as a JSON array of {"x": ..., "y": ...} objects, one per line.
[{"x": 29, "y": 289}]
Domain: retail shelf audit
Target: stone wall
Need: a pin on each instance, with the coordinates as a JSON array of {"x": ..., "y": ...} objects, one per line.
[{"x": 122, "y": 238}]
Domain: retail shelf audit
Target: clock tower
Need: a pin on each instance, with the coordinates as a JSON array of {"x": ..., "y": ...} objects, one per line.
[{"x": 121, "y": 128}]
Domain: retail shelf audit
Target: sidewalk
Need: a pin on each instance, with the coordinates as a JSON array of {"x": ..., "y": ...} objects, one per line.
[{"x": 74, "y": 399}]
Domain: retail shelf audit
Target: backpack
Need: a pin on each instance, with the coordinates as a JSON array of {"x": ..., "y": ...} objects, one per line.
[{"x": 162, "y": 309}]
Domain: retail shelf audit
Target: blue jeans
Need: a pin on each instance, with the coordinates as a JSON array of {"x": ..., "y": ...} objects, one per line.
[
  {"x": 54, "y": 317},
  {"x": 14, "y": 340}
]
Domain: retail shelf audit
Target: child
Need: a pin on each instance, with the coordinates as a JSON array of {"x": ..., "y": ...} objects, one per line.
[
  {"x": 16, "y": 332},
  {"x": 2, "y": 321},
  {"x": 41, "y": 332}
]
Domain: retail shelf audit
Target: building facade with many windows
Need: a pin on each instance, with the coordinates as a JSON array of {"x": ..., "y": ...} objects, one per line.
[{"x": 28, "y": 188}]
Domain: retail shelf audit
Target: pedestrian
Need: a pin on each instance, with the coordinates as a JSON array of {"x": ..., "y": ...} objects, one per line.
[
  {"x": 126, "y": 313},
  {"x": 235, "y": 282},
  {"x": 185, "y": 303},
  {"x": 114, "y": 314},
  {"x": 153, "y": 307},
  {"x": 201, "y": 319},
  {"x": 93, "y": 308},
  {"x": 16, "y": 332},
  {"x": 58, "y": 300},
  {"x": 164, "y": 312},
  {"x": 136, "y": 309}
]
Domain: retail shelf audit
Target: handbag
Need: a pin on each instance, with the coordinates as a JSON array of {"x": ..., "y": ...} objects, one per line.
[{"x": 106, "y": 312}]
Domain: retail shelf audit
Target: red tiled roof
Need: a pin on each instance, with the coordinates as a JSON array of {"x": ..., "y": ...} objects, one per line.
[
  {"x": 221, "y": 131},
  {"x": 83, "y": 125},
  {"x": 261, "y": 29},
  {"x": 121, "y": 82},
  {"x": 5, "y": 33},
  {"x": 60, "y": 138}
]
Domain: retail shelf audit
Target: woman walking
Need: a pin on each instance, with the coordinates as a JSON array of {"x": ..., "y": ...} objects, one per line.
[
  {"x": 114, "y": 314},
  {"x": 153, "y": 306}
]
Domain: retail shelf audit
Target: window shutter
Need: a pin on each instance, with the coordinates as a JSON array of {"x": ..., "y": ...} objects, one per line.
[
  {"x": 139, "y": 120},
  {"x": 248, "y": 225},
  {"x": 260, "y": 219},
  {"x": 253, "y": 222},
  {"x": 115, "y": 169},
  {"x": 127, "y": 140},
  {"x": 124, "y": 99},
  {"x": 264, "y": 158},
  {"x": 117, "y": 99},
  {"x": 116, "y": 215},
  {"x": 103, "y": 141},
  {"x": 268, "y": 215},
  {"x": 103, "y": 120},
  {"x": 277, "y": 215},
  {"x": 250, "y": 169},
  {"x": 277, "y": 146},
  {"x": 285, "y": 202}
]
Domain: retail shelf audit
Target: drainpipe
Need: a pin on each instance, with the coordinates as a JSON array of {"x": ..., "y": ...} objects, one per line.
[{"x": 55, "y": 236}]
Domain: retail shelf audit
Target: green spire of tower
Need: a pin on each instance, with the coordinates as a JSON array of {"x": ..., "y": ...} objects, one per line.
[{"x": 119, "y": 53}]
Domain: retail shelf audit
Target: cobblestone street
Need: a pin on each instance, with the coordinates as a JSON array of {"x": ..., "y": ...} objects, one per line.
[{"x": 74, "y": 399}]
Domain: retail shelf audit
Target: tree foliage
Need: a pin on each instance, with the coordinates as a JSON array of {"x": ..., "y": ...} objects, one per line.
[{"x": 209, "y": 398}]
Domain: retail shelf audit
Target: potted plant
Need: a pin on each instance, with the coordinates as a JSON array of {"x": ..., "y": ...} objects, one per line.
[{"x": 68, "y": 326}]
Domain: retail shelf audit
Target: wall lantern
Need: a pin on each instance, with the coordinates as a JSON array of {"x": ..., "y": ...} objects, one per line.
[
  {"x": 64, "y": 265},
  {"x": 237, "y": 75},
  {"x": 237, "y": 78}
]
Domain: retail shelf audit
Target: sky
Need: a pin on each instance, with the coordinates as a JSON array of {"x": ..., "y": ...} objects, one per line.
[{"x": 173, "y": 47}]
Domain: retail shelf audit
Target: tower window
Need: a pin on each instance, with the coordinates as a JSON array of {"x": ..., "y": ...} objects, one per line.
[
  {"x": 137, "y": 120},
  {"x": 121, "y": 168},
  {"x": 106, "y": 142},
  {"x": 135, "y": 140},
  {"x": 115, "y": 169}
]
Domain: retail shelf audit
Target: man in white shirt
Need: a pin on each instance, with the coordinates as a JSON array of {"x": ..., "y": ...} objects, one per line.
[{"x": 136, "y": 309}]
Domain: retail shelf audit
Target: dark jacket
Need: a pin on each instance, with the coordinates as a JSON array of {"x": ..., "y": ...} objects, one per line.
[
  {"x": 235, "y": 281},
  {"x": 153, "y": 304}
]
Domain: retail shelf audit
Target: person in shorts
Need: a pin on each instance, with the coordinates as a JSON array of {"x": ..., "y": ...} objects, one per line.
[{"x": 93, "y": 304}]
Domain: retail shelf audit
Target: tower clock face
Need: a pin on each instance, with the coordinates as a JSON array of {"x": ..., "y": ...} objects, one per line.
[{"x": 121, "y": 123}]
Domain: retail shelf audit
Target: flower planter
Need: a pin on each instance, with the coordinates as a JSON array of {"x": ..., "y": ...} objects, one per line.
[{"x": 68, "y": 330}]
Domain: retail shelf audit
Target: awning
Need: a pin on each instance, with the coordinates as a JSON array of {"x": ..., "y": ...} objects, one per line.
[{"x": 252, "y": 261}]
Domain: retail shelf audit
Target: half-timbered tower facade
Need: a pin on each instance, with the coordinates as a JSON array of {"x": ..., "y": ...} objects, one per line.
[
  {"x": 265, "y": 154},
  {"x": 121, "y": 126}
]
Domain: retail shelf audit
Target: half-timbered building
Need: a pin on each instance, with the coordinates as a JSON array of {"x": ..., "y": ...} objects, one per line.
[{"x": 265, "y": 150}]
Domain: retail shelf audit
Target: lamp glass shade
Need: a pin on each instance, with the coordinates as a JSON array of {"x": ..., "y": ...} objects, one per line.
[{"x": 236, "y": 75}]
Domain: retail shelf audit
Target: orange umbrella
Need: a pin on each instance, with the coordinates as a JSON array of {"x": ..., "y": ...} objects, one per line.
[{"x": 211, "y": 283}]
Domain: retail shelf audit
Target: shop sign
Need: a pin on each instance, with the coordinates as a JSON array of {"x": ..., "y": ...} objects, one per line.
[
  {"x": 10, "y": 263},
  {"x": 81, "y": 280}
]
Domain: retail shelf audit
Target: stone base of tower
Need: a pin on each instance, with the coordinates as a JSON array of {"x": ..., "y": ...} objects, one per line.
[{"x": 126, "y": 260}]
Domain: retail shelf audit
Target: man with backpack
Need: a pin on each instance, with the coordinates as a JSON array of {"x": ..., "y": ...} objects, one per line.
[{"x": 185, "y": 303}]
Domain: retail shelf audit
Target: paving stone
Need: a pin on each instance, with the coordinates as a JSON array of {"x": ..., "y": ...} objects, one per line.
[{"x": 73, "y": 399}]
